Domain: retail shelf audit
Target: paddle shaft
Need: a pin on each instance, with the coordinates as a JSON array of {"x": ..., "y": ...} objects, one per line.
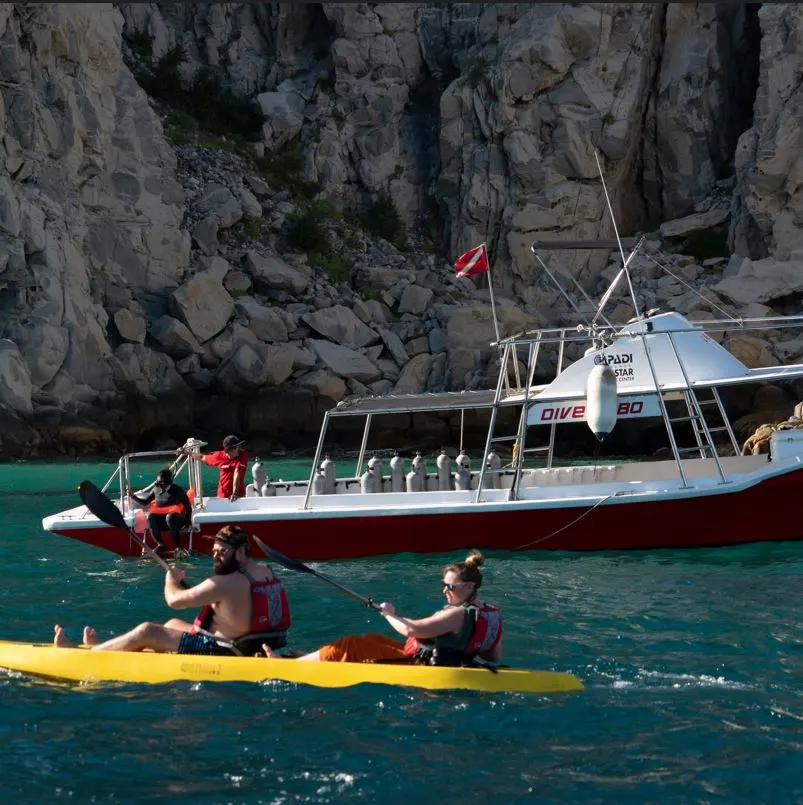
[{"x": 294, "y": 564}]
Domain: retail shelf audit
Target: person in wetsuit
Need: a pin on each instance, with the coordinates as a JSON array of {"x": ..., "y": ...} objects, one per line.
[{"x": 169, "y": 508}]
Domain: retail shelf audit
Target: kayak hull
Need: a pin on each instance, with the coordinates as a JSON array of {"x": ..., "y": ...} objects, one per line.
[{"x": 83, "y": 665}]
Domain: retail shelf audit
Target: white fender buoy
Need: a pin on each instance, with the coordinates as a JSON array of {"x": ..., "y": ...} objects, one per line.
[
  {"x": 601, "y": 401},
  {"x": 268, "y": 490},
  {"x": 397, "y": 474},
  {"x": 329, "y": 477}
]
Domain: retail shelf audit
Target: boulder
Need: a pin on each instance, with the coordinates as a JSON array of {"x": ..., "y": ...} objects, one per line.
[
  {"x": 339, "y": 324},
  {"x": 324, "y": 384},
  {"x": 274, "y": 273},
  {"x": 15, "y": 380},
  {"x": 394, "y": 346},
  {"x": 131, "y": 326},
  {"x": 203, "y": 304},
  {"x": 344, "y": 361},
  {"x": 43, "y": 347},
  {"x": 763, "y": 281},
  {"x": 253, "y": 366},
  {"x": 218, "y": 202},
  {"x": 415, "y": 299},
  {"x": 414, "y": 375},
  {"x": 265, "y": 322},
  {"x": 174, "y": 337}
]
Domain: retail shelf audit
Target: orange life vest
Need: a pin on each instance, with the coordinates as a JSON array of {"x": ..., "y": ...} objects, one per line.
[{"x": 173, "y": 508}]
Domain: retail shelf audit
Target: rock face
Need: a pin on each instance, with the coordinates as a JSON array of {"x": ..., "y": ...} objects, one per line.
[{"x": 140, "y": 263}]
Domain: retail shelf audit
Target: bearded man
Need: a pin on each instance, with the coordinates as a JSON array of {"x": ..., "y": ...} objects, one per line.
[{"x": 241, "y": 603}]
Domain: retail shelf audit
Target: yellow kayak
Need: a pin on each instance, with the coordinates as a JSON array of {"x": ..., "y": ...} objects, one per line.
[{"x": 81, "y": 665}]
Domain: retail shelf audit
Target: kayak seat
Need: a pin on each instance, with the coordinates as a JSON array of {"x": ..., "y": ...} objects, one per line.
[{"x": 251, "y": 643}]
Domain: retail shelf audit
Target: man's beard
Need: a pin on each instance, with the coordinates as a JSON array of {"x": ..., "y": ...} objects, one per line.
[{"x": 223, "y": 567}]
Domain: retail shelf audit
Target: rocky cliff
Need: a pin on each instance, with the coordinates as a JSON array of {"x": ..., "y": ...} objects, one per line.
[{"x": 226, "y": 217}]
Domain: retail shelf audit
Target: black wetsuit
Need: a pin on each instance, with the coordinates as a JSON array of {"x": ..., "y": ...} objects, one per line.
[{"x": 171, "y": 495}]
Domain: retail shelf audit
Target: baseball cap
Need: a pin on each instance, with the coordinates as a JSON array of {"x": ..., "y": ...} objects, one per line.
[{"x": 232, "y": 441}]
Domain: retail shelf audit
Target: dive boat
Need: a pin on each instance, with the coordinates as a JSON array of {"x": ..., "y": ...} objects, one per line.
[
  {"x": 665, "y": 367},
  {"x": 659, "y": 366},
  {"x": 82, "y": 665}
]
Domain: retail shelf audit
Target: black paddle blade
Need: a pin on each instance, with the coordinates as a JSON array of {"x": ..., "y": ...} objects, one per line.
[
  {"x": 281, "y": 559},
  {"x": 104, "y": 509},
  {"x": 100, "y": 505}
]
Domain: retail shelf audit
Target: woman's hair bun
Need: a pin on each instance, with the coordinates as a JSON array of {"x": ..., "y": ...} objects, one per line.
[{"x": 475, "y": 559}]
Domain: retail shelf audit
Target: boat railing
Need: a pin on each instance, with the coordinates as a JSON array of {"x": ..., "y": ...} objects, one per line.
[{"x": 180, "y": 463}]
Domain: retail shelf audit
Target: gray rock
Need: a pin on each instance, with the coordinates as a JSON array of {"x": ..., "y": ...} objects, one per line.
[
  {"x": 130, "y": 325},
  {"x": 339, "y": 324},
  {"x": 415, "y": 300},
  {"x": 343, "y": 361},
  {"x": 203, "y": 304},
  {"x": 273, "y": 272},
  {"x": 324, "y": 384},
  {"x": 265, "y": 322},
  {"x": 237, "y": 283},
  {"x": 413, "y": 378},
  {"x": 395, "y": 346},
  {"x": 219, "y": 203},
  {"x": 437, "y": 340},
  {"x": 204, "y": 235},
  {"x": 15, "y": 380},
  {"x": 174, "y": 337},
  {"x": 252, "y": 209}
]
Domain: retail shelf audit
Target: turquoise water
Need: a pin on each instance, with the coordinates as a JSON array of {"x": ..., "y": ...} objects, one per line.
[{"x": 693, "y": 662}]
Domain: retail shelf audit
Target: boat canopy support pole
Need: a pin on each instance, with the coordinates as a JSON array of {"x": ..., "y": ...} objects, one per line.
[
  {"x": 553, "y": 428},
  {"x": 364, "y": 444},
  {"x": 513, "y": 494},
  {"x": 736, "y": 448},
  {"x": 662, "y": 405},
  {"x": 492, "y": 424},
  {"x": 317, "y": 460},
  {"x": 698, "y": 411}
]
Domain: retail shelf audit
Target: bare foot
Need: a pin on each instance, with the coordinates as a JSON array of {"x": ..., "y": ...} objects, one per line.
[
  {"x": 90, "y": 637},
  {"x": 58, "y": 637},
  {"x": 270, "y": 653}
]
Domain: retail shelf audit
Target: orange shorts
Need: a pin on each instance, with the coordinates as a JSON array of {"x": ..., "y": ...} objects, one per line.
[{"x": 362, "y": 648}]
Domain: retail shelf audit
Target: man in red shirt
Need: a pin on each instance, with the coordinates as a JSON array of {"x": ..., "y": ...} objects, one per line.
[{"x": 232, "y": 461}]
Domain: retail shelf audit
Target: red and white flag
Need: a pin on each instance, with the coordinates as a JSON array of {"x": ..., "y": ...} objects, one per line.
[{"x": 472, "y": 262}]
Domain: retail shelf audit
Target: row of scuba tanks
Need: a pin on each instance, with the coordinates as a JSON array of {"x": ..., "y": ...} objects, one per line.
[{"x": 418, "y": 479}]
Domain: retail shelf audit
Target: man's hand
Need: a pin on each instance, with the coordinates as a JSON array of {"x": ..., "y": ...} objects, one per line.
[
  {"x": 175, "y": 575},
  {"x": 232, "y": 498},
  {"x": 387, "y": 609}
]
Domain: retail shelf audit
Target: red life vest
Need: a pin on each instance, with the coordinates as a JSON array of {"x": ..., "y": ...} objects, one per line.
[
  {"x": 480, "y": 634},
  {"x": 270, "y": 610}
]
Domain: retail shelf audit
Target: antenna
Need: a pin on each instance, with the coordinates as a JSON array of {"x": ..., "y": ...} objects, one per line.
[{"x": 625, "y": 260}]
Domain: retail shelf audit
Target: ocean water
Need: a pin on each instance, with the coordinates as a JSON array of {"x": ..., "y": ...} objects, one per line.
[{"x": 692, "y": 660}]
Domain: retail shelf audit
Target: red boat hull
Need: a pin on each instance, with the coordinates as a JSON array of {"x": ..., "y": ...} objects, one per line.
[{"x": 767, "y": 511}]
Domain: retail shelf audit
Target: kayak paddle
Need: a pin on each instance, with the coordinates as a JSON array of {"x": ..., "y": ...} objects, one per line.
[
  {"x": 104, "y": 509},
  {"x": 294, "y": 564}
]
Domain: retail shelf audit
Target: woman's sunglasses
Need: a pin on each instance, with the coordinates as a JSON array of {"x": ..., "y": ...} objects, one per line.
[{"x": 451, "y": 587}]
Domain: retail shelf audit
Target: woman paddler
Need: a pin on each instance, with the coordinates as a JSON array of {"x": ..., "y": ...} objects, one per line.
[{"x": 466, "y": 628}]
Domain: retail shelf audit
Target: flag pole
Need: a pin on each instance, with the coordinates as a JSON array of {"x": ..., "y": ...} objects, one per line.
[{"x": 491, "y": 294}]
